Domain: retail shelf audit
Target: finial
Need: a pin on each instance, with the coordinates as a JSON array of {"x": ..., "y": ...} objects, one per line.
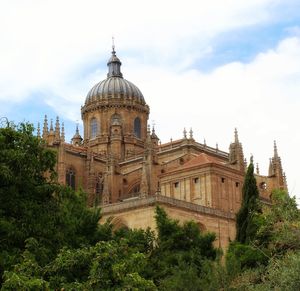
[
  {"x": 191, "y": 133},
  {"x": 236, "y": 137},
  {"x": 77, "y": 130},
  {"x": 153, "y": 129},
  {"x": 275, "y": 150},
  {"x": 148, "y": 129},
  {"x": 113, "y": 45},
  {"x": 217, "y": 147},
  {"x": 204, "y": 142},
  {"x": 38, "y": 130},
  {"x": 257, "y": 169},
  {"x": 184, "y": 133}
]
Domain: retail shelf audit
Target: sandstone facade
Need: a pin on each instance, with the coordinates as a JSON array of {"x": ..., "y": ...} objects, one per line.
[{"x": 125, "y": 169}]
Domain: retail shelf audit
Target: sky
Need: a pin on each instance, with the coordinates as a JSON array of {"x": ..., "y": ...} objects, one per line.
[{"x": 207, "y": 65}]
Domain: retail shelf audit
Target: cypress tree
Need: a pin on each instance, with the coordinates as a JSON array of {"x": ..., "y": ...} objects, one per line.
[{"x": 245, "y": 224}]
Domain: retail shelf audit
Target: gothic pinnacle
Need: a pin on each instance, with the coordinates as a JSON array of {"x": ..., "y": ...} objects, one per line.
[
  {"x": 275, "y": 150},
  {"x": 184, "y": 133},
  {"x": 62, "y": 136},
  {"x": 57, "y": 128},
  {"x": 236, "y": 137},
  {"x": 45, "y": 127},
  {"x": 191, "y": 133},
  {"x": 257, "y": 169}
]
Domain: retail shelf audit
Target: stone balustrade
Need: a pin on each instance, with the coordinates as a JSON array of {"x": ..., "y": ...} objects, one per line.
[{"x": 137, "y": 202}]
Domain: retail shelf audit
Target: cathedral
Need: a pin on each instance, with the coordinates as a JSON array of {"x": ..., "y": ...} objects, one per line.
[{"x": 126, "y": 170}]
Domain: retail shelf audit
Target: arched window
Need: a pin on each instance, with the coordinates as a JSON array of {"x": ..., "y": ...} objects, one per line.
[
  {"x": 137, "y": 127},
  {"x": 70, "y": 178},
  {"x": 94, "y": 128}
]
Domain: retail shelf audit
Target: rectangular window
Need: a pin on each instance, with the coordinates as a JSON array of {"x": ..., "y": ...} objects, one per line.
[
  {"x": 223, "y": 180},
  {"x": 176, "y": 184},
  {"x": 196, "y": 180}
]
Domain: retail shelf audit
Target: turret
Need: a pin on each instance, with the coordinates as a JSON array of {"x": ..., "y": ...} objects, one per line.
[
  {"x": 77, "y": 139},
  {"x": 236, "y": 154},
  {"x": 276, "y": 171}
]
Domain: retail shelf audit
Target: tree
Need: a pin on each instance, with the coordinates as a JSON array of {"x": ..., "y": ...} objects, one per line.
[
  {"x": 272, "y": 259},
  {"x": 246, "y": 225},
  {"x": 181, "y": 250},
  {"x": 33, "y": 205}
]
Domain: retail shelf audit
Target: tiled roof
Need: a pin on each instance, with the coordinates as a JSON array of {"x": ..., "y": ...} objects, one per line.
[{"x": 201, "y": 159}]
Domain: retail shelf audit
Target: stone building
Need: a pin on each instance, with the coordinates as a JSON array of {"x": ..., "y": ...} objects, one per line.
[{"x": 125, "y": 169}]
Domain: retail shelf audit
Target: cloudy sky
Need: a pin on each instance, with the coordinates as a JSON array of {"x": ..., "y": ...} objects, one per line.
[{"x": 210, "y": 65}]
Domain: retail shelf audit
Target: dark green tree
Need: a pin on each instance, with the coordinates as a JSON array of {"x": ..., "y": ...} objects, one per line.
[
  {"x": 246, "y": 224},
  {"x": 181, "y": 250},
  {"x": 33, "y": 205}
]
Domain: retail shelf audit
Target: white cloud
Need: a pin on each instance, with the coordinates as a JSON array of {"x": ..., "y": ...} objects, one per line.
[
  {"x": 45, "y": 42},
  {"x": 261, "y": 98}
]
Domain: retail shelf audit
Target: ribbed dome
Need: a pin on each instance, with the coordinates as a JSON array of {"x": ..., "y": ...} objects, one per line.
[{"x": 114, "y": 86}]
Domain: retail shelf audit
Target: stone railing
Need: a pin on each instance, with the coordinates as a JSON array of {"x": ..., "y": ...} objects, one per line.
[{"x": 138, "y": 202}]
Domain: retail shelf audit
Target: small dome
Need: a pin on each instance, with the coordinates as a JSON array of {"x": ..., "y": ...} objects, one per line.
[{"x": 115, "y": 86}]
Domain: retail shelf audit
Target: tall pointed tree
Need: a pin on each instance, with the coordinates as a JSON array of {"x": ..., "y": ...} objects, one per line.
[{"x": 245, "y": 219}]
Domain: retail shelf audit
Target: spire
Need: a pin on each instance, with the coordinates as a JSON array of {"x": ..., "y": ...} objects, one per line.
[
  {"x": 57, "y": 129},
  {"x": 77, "y": 139},
  {"x": 51, "y": 127},
  {"x": 184, "y": 133},
  {"x": 275, "y": 150},
  {"x": 257, "y": 169},
  {"x": 271, "y": 172},
  {"x": 236, "y": 137},
  {"x": 114, "y": 64},
  {"x": 38, "y": 130},
  {"x": 191, "y": 133},
  {"x": 45, "y": 127},
  {"x": 62, "y": 136},
  {"x": 236, "y": 154}
]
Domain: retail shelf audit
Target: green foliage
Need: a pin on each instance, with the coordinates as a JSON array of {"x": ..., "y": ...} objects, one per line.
[
  {"x": 272, "y": 260},
  {"x": 280, "y": 227},
  {"x": 27, "y": 274},
  {"x": 240, "y": 256},
  {"x": 179, "y": 249},
  {"x": 32, "y": 205},
  {"x": 246, "y": 225},
  {"x": 137, "y": 239}
]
